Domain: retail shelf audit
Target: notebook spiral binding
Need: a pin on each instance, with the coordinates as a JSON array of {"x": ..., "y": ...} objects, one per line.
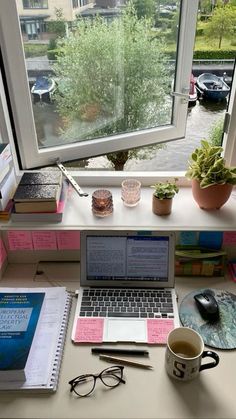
[{"x": 60, "y": 345}]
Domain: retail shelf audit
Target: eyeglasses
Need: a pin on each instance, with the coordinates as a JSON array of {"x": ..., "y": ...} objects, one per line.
[{"x": 83, "y": 385}]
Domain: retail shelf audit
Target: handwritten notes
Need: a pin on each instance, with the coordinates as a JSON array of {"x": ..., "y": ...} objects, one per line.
[
  {"x": 20, "y": 240},
  {"x": 89, "y": 330},
  {"x": 44, "y": 240},
  {"x": 3, "y": 253},
  {"x": 158, "y": 330},
  {"x": 68, "y": 240}
]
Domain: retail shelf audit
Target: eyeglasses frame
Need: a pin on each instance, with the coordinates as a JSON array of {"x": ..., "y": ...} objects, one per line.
[{"x": 75, "y": 380}]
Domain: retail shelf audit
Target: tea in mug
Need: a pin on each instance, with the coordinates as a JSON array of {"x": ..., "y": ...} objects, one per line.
[{"x": 184, "y": 349}]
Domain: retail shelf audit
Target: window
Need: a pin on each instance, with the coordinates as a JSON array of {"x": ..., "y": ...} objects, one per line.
[
  {"x": 83, "y": 137},
  {"x": 35, "y": 4}
]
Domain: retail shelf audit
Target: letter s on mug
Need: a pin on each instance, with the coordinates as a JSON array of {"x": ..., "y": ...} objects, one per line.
[{"x": 179, "y": 368}]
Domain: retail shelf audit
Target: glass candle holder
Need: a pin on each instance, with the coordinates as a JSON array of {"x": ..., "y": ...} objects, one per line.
[
  {"x": 131, "y": 192},
  {"x": 102, "y": 202}
]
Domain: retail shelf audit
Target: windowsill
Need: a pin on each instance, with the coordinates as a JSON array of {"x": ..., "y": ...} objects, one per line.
[{"x": 186, "y": 215}]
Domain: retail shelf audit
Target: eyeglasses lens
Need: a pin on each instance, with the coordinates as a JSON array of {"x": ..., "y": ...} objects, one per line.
[
  {"x": 111, "y": 377},
  {"x": 84, "y": 385}
]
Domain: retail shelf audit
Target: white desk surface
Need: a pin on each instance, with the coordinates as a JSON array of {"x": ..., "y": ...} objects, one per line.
[{"x": 146, "y": 394}]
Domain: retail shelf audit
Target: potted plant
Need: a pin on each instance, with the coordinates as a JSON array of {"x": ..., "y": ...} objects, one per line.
[
  {"x": 212, "y": 181},
  {"x": 162, "y": 197}
]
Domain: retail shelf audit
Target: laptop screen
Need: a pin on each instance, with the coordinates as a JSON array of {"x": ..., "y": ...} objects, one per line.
[{"x": 127, "y": 257}]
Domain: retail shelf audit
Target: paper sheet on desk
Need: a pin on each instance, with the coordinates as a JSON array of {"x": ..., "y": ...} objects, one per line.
[{"x": 41, "y": 361}]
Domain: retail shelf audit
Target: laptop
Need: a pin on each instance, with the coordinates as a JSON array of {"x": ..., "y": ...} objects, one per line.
[{"x": 127, "y": 289}]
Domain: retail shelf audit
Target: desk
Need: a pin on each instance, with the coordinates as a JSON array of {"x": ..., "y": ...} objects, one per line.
[{"x": 146, "y": 394}]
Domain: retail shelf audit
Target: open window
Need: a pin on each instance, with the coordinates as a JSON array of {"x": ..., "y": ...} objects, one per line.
[{"x": 112, "y": 87}]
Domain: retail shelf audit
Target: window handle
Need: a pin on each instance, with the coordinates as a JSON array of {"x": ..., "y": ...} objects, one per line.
[{"x": 184, "y": 94}]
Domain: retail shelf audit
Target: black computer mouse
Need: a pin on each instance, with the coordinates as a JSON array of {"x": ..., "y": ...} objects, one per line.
[{"x": 207, "y": 306}]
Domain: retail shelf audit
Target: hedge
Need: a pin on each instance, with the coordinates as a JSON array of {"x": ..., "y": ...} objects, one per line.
[
  {"x": 215, "y": 55},
  {"x": 36, "y": 50},
  {"x": 209, "y": 55}
]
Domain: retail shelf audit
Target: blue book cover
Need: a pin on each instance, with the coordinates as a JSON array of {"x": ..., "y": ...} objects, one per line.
[{"x": 19, "y": 314}]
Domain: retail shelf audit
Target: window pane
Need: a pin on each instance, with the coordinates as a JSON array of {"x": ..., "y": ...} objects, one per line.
[
  {"x": 110, "y": 73},
  {"x": 100, "y": 81}
]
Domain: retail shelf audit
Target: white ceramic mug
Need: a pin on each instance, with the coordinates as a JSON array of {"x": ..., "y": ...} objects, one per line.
[{"x": 184, "y": 354}]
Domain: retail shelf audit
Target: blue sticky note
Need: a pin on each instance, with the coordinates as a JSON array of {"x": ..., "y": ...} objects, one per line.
[
  {"x": 211, "y": 239},
  {"x": 189, "y": 238}
]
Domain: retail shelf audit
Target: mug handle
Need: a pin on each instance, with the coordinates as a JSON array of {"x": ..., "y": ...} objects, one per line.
[{"x": 213, "y": 355}]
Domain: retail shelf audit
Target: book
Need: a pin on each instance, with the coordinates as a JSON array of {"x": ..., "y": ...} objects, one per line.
[
  {"x": 45, "y": 357},
  {"x": 53, "y": 217},
  {"x": 5, "y": 215},
  {"x": 7, "y": 189},
  {"x": 36, "y": 198},
  {"x": 38, "y": 192},
  {"x": 19, "y": 315},
  {"x": 5, "y": 155},
  {"x": 41, "y": 178}
]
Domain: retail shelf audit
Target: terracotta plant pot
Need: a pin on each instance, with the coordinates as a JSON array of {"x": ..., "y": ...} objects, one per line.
[
  {"x": 161, "y": 206},
  {"x": 212, "y": 197}
]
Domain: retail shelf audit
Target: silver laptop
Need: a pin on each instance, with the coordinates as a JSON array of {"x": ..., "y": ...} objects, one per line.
[{"x": 126, "y": 282}]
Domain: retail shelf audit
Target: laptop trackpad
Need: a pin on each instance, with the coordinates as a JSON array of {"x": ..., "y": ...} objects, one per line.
[{"x": 125, "y": 330}]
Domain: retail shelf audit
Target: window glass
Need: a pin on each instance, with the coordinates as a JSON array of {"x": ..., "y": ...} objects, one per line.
[
  {"x": 105, "y": 79},
  {"x": 102, "y": 80},
  {"x": 113, "y": 82},
  {"x": 35, "y": 4}
]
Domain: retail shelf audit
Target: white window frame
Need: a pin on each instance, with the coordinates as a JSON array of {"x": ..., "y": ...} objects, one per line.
[
  {"x": 16, "y": 74},
  {"x": 22, "y": 109}
]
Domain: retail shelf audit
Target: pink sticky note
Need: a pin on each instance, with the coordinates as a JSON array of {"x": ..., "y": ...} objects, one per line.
[
  {"x": 3, "y": 253},
  {"x": 20, "y": 240},
  {"x": 158, "y": 330},
  {"x": 229, "y": 238},
  {"x": 67, "y": 240},
  {"x": 44, "y": 240},
  {"x": 89, "y": 330}
]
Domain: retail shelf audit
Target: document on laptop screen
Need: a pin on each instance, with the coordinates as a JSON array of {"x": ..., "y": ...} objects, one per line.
[{"x": 129, "y": 257}]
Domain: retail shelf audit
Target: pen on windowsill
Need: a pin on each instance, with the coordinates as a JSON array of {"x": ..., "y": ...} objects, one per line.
[
  {"x": 125, "y": 361},
  {"x": 117, "y": 351}
]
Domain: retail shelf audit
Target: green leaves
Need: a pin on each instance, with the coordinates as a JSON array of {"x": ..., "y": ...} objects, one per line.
[
  {"x": 208, "y": 166},
  {"x": 165, "y": 190},
  {"x": 120, "y": 68}
]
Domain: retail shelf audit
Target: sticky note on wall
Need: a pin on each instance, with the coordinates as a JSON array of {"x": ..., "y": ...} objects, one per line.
[
  {"x": 211, "y": 239},
  {"x": 189, "y": 238},
  {"x": 229, "y": 238},
  {"x": 44, "y": 240},
  {"x": 20, "y": 240},
  {"x": 3, "y": 253},
  {"x": 68, "y": 240}
]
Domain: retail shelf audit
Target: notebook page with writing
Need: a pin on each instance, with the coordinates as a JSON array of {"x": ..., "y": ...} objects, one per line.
[{"x": 43, "y": 366}]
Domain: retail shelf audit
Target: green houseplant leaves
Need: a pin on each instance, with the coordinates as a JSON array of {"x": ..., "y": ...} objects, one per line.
[
  {"x": 208, "y": 166},
  {"x": 165, "y": 190}
]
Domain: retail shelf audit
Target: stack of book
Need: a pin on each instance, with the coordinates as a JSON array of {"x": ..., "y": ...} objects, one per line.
[
  {"x": 7, "y": 181},
  {"x": 40, "y": 196}
]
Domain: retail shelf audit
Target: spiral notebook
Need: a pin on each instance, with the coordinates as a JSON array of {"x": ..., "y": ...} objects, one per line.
[{"x": 45, "y": 357}]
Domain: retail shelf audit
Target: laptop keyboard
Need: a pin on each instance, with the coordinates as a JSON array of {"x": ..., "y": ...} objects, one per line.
[{"x": 144, "y": 303}]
